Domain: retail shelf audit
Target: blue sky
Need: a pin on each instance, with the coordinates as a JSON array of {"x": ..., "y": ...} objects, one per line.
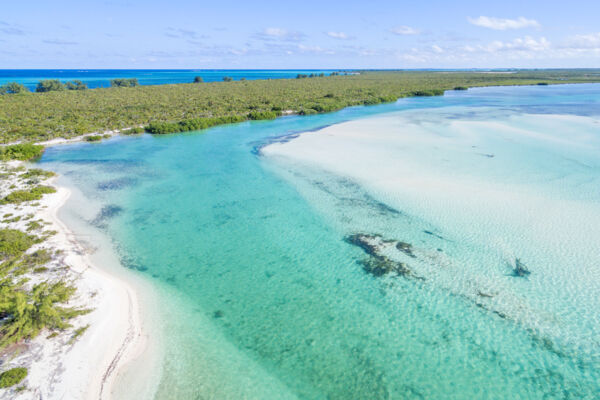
[{"x": 306, "y": 34}]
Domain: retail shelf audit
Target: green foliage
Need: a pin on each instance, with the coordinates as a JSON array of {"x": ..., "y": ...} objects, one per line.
[
  {"x": 38, "y": 173},
  {"x": 198, "y": 79},
  {"x": 75, "y": 85},
  {"x": 13, "y": 243},
  {"x": 13, "y": 88},
  {"x": 78, "y": 333},
  {"x": 257, "y": 115},
  {"x": 461, "y": 88},
  {"x": 49, "y": 85},
  {"x": 124, "y": 82},
  {"x": 12, "y": 377},
  {"x": 28, "y": 312},
  {"x": 227, "y": 79},
  {"x": 196, "y": 124},
  {"x": 133, "y": 131},
  {"x": 93, "y": 138},
  {"x": 22, "y": 152},
  {"x": 71, "y": 113},
  {"x": 20, "y": 196}
]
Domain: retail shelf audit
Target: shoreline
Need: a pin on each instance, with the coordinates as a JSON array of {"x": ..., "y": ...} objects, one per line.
[
  {"x": 84, "y": 365},
  {"x": 116, "y": 347}
]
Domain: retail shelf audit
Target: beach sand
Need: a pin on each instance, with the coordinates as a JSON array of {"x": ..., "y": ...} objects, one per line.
[{"x": 85, "y": 367}]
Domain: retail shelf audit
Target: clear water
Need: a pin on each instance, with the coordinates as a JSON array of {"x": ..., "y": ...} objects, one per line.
[
  {"x": 95, "y": 78},
  {"x": 261, "y": 297}
]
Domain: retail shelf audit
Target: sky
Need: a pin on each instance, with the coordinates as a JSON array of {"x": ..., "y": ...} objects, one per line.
[{"x": 292, "y": 35}]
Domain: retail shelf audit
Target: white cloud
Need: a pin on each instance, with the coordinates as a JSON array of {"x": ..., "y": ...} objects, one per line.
[
  {"x": 314, "y": 49},
  {"x": 280, "y": 34},
  {"x": 338, "y": 35},
  {"x": 404, "y": 30},
  {"x": 589, "y": 41},
  {"x": 501, "y": 24}
]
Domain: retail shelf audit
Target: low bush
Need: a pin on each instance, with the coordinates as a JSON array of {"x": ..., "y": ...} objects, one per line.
[
  {"x": 258, "y": 115},
  {"x": 133, "y": 131},
  {"x": 123, "y": 82},
  {"x": 12, "y": 377},
  {"x": 93, "y": 138},
  {"x": 20, "y": 196},
  {"x": 37, "y": 173},
  {"x": 22, "y": 152},
  {"x": 13, "y": 243}
]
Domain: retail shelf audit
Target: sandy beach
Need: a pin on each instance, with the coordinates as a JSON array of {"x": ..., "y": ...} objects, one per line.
[{"x": 84, "y": 367}]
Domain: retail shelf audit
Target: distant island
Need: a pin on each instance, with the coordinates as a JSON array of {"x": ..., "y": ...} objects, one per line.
[{"x": 69, "y": 110}]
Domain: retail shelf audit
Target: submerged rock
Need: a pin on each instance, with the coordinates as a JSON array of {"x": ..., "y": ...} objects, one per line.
[
  {"x": 520, "y": 270},
  {"x": 406, "y": 248},
  {"x": 378, "y": 264},
  {"x": 365, "y": 242},
  {"x": 381, "y": 265}
]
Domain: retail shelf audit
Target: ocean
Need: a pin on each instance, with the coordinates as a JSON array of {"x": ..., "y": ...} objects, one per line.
[
  {"x": 95, "y": 78},
  {"x": 263, "y": 295}
]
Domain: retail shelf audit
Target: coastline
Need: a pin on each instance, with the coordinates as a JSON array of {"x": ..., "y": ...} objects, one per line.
[
  {"x": 82, "y": 366},
  {"x": 115, "y": 335}
]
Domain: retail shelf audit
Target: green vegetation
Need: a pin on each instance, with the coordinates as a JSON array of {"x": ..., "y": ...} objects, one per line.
[
  {"x": 75, "y": 85},
  {"x": 78, "y": 333},
  {"x": 94, "y": 138},
  {"x": 38, "y": 173},
  {"x": 162, "y": 128},
  {"x": 20, "y": 196},
  {"x": 13, "y": 88},
  {"x": 22, "y": 152},
  {"x": 256, "y": 115},
  {"x": 29, "y": 312},
  {"x": 123, "y": 82},
  {"x": 24, "y": 312},
  {"x": 70, "y": 113},
  {"x": 12, "y": 377},
  {"x": 13, "y": 243},
  {"x": 133, "y": 131},
  {"x": 227, "y": 79},
  {"x": 461, "y": 88},
  {"x": 49, "y": 85},
  {"x": 198, "y": 79}
]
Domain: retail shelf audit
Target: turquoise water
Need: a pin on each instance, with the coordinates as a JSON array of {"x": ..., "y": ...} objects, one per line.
[
  {"x": 95, "y": 78},
  {"x": 261, "y": 296}
]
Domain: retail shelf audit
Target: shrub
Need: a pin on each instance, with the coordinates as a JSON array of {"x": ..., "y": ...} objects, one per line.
[
  {"x": 49, "y": 85},
  {"x": 133, "y": 131},
  {"x": 22, "y": 152},
  {"x": 258, "y": 115},
  {"x": 75, "y": 85},
  {"x": 227, "y": 79},
  {"x": 20, "y": 196},
  {"x": 28, "y": 312},
  {"x": 13, "y": 88},
  {"x": 12, "y": 377},
  {"x": 542, "y": 83},
  {"x": 461, "y": 88},
  {"x": 198, "y": 79},
  {"x": 13, "y": 243},
  {"x": 195, "y": 124},
  {"x": 124, "y": 82},
  {"x": 37, "y": 173},
  {"x": 93, "y": 138}
]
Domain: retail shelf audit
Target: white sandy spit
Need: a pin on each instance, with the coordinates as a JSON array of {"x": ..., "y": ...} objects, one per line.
[{"x": 84, "y": 367}]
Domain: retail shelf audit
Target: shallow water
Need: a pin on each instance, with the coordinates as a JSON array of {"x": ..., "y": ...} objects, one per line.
[{"x": 263, "y": 298}]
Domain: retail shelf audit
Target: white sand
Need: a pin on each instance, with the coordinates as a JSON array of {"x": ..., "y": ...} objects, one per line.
[{"x": 85, "y": 369}]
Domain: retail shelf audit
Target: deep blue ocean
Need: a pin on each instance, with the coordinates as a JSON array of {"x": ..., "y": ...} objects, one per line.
[{"x": 95, "y": 78}]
